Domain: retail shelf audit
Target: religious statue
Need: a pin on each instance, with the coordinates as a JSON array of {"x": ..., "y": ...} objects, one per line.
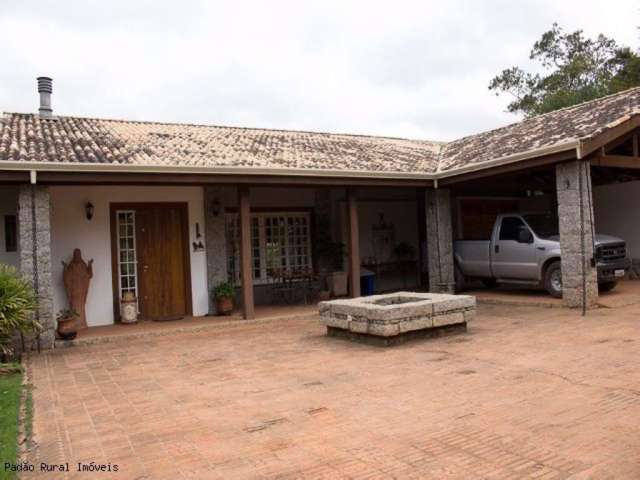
[{"x": 76, "y": 276}]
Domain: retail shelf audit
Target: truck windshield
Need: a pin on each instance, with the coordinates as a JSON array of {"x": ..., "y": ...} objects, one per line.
[{"x": 544, "y": 225}]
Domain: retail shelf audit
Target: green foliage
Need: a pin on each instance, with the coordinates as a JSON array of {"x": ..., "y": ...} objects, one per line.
[
  {"x": 10, "y": 392},
  {"x": 17, "y": 302},
  {"x": 575, "y": 69},
  {"x": 224, "y": 290}
]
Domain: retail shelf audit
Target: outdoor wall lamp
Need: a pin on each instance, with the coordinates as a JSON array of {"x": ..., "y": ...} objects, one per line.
[
  {"x": 88, "y": 210},
  {"x": 216, "y": 206}
]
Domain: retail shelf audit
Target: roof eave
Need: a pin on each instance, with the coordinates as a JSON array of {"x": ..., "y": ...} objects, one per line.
[
  {"x": 572, "y": 144},
  {"x": 253, "y": 171}
]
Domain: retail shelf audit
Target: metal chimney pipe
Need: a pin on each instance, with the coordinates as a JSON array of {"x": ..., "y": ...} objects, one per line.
[{"x": 45, "y": 89}]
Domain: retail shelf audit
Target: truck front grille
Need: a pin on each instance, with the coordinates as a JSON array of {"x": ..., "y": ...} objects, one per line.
[{"x": 609, "y": 253}]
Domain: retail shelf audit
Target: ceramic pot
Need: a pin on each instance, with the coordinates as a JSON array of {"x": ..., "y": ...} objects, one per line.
[
  {"x": 128, "y": 308},
  {"x": 67, "y": 328},
  {"x": 224, "y": 305}
]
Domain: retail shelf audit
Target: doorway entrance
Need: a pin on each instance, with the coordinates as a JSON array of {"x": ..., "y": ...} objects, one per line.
[{"x": 150, "y": 258}]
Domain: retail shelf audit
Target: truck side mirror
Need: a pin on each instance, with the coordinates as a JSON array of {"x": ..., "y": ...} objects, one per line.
[{"x": 525, "y": 235}]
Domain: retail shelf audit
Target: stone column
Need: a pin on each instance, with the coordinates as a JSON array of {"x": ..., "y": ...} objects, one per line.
[
  {"x": 575, "y": 211},
  {"x": 34, "y": 217},
  {"x": 439, "y": 241},
  {"x": 215, "y": 240}
]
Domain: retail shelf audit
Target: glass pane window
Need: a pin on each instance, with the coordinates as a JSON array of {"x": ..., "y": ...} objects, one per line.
[
  {"x": 280, "y": 244},
  {"x": 127, "y": 264},
  {"x": 510, "y": 228}
]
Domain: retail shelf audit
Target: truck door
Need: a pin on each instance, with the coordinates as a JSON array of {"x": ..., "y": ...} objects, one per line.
[{"x": 513, "y": 251}]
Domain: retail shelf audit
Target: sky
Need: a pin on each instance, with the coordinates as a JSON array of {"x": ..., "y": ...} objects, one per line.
[{"x": 415, "y": 69}]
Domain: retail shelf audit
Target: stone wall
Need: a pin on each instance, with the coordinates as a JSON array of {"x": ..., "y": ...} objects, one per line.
[
  {"x": 439, "y": 241},
  {"x": 215, "y": 240},
  {"x": 35, "y": 253},
  {"x": 575, "y": 211}
]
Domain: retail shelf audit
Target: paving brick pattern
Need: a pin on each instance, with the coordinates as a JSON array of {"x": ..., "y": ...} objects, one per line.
[{"x": 526, "y": 393}]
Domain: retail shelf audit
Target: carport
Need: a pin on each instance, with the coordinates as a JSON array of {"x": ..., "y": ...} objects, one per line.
[{"x": 592, "y": 189}]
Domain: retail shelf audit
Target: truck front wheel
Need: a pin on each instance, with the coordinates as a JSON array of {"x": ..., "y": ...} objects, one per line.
[{"x": 553, "y": 280}]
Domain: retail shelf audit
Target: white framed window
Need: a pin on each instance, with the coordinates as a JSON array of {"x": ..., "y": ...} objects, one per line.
[
  {"x": 127, "y": 261},
  {"x": 280, "y": 242}
]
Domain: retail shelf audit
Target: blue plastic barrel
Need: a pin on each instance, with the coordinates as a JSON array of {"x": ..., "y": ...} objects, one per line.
[{"x": 367, "y": 283}]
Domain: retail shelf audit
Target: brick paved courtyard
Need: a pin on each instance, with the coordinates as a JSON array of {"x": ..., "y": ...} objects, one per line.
[{"x": 526, "y": 393}]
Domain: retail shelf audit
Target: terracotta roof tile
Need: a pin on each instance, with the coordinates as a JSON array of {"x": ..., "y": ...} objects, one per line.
[
  {"x": 27, "y": 137},
  {"x": 561, "y": 126},
  {"x": 30, "y": 138}
]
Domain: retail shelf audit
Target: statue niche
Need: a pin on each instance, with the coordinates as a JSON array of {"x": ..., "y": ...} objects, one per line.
[{"x": 76, "y": 276}]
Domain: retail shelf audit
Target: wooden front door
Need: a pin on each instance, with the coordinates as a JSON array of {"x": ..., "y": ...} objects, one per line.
[
  {"x": 161, "y": 257},
  {"x": 161, "y": 262}
]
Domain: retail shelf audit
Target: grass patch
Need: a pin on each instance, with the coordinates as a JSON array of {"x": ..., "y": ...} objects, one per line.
[{"x": 10, "y": 393}]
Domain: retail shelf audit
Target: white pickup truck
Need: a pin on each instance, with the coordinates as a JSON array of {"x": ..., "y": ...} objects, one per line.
[{"x": 524, "y": 249}]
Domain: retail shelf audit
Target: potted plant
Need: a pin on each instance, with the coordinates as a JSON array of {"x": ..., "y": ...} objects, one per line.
[
  {"x": 17, "y": 303},
  {"x": 67, "y": 324},
  {"x": 223, "y": 294}
]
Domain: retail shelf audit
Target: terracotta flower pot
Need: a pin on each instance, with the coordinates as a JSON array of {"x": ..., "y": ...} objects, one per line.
[
  {"x": 224, "y": 305},
  {"x": 68, "y": 327}
]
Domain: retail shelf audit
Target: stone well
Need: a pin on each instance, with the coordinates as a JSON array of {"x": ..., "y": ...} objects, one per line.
[{"x": 393, "y": 317}]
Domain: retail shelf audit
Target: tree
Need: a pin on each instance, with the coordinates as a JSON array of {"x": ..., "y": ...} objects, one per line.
[{"x": 574, "y": 69}]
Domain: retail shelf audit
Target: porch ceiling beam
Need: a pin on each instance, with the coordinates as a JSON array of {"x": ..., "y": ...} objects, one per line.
[
  {"x": 354, "y": 243},
  {"x": 617, "y": 142},
  {"x": 510, "y": 168},
  {"x": 616, "y": 161},
  {"x": 608, "y": 136},
  {"x": 246, "y": 278},
  {"x": 14, "y": 176}
]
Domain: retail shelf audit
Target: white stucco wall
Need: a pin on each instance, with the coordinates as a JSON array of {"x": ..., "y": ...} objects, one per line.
[
  {"x": 70, "y": 229},
  {"x": 8, "y": 206},
  {"x": 615, "y": 210}
]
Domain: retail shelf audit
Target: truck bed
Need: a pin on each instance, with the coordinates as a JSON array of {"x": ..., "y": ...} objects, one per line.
[{"x": 476, "y": 255}]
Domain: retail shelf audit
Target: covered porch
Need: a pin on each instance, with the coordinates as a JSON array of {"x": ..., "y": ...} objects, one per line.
[{"x": 188, "y": 237}]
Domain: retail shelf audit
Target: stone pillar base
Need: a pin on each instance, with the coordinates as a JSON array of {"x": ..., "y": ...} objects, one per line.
[
  {"x": 439, "y": 241},
  {"x": 575, "y": 212},
  {"x": 34, "y": 217}
]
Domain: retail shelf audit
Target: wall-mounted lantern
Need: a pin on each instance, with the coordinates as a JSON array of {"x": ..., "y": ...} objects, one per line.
[
  {"x": 216, "y": 207},
  {"x": 88, "y": 210}
]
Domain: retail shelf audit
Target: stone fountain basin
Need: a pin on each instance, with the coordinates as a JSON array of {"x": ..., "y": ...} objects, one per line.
[{"x": 397, "y": 313}]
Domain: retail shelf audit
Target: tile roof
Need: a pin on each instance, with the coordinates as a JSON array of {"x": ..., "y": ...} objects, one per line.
[
  {"x": 30, "y": 138},
  {"x": 579, "y": 122}
]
